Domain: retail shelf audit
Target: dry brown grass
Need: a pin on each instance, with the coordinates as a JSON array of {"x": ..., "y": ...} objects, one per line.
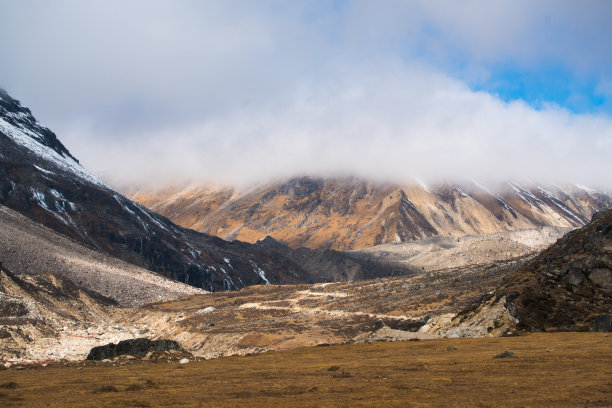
[{"x": 549, "y": 370}]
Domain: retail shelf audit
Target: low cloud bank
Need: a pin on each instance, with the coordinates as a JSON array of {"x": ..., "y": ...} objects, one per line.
[{"x": 396, "y": 123}]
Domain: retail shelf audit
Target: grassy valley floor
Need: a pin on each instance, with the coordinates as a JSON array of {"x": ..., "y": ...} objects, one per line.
[{"x": 549, "y": 370}]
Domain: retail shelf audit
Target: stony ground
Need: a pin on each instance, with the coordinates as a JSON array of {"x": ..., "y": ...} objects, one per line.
[
  {"x": 263, "y": 318},
  {"x": 453, "y": 252},
  {"x": 547, "y": 370},
  {"x": 45, "y": 317},
  {"x": 285, "y": 317}
]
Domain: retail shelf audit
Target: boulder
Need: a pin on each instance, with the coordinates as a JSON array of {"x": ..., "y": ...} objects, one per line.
[
  {"x": 602, "y": 277},
  {"x": 133, "y": 347},
  {"x": 602, "y": 323},
  {"x": 505, "y": 354}
]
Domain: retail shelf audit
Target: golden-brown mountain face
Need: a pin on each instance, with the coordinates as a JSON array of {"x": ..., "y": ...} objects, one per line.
[{"x": 348, "y": 213}]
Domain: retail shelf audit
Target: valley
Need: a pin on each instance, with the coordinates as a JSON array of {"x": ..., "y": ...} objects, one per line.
[
  {"x": 304, "y": 292},
  {"x": 328, "y": 204}
]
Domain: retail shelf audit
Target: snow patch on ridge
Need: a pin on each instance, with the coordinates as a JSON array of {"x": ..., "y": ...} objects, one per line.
[
  {"x": 424, "y": 186},
  {"x": 526, "y": 195},
  {"x": 32, "y": 142},
  {"x": 561, "y": 205},
  {"x": 149, "y": 216},
  {"x": 497, "y": 197},
  {"x": 124, "y": 206},
  {"x": 228, "y": 262},
  {"x": 586, "y": 189},
  {"x": 39, "y": 197},
  {"x": 227, "y": 281},
  {"x": 43, "y": 170}
]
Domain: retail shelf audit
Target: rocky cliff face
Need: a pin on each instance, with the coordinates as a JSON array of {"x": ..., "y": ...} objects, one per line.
[
  {"x": 566, "y": 287},
  {"x": 348, "y": 213},
  {"x": 40, "y": 179}
]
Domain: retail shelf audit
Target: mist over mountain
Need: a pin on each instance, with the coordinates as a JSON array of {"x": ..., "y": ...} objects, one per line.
[
  {"x": 40, "y": 179},
  {"x": 388, "y": 125}
]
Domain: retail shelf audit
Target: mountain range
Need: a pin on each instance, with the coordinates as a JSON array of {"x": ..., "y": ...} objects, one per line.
[{"x": 351, "y": 213}]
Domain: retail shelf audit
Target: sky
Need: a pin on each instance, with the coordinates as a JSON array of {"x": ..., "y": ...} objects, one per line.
[{"x": 236, "y": 92}]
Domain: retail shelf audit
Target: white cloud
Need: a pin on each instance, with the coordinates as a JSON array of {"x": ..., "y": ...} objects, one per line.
[
  {"x": 392, "y": 122},
  {"x": 236, "y": 90},
  {"x": 576, "y": 34}
]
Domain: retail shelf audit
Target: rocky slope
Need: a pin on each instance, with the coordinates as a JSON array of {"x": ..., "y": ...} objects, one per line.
[
  {"x": 259, "y": 318},
  {"x": 566, "y": 287},
  {"x": 30, "y": 249},
  {"x": 48, "y": 317},
  {"x": 40, "y": 179},
  {"x": 348, "y": 213}
]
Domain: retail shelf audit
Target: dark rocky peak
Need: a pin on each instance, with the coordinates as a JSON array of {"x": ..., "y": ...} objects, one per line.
[
  {"x": 20, "y": 117},
  {"x": 270, "y": 243},
  {"x": 12, "y": 105}
]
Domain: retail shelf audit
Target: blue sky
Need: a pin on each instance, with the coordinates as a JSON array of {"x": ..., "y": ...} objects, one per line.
[
  {"x": 549, "y": 85},
  {"x": 564, "y": 60},
  {"x": 386, "y": 89}
]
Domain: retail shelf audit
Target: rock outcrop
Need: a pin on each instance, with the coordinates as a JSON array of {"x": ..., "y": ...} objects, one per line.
[
  {"x": 566, "y": 287},
  {"x": 133, "y": 347}
]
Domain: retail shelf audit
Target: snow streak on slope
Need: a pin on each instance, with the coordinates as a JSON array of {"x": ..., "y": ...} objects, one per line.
[{"x": 32, "y": 142}]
